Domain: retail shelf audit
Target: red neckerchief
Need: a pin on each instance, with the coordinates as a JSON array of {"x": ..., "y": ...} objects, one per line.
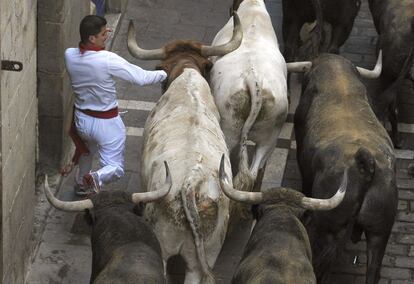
[{"x": 89, "y": 46}]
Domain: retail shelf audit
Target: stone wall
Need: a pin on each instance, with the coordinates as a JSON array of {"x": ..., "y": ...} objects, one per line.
[
  {"x": 18, "y": 135},
  {"x": 58, "y": 29}
]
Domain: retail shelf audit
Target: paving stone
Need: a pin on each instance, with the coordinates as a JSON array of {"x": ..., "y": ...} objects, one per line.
[
  {"x": 405, "y": 183},
  {"x": 396, "y": 273},
  {"x": 402, "y": 205},
  {"x": 402, "y": 282},
  {"x": 411, "y": 252},
  {"x": 66, "y": 264},
  {"x": 405, "y": 262},
  {"x": 396, "y": 249},
  {"x": 406, "y": 194},
  {"x": 361, "y": 280},
  {"x": 406, "y": 239},
  {"x": 403, "y": 227},
  {"x": 405, "y": 216}
]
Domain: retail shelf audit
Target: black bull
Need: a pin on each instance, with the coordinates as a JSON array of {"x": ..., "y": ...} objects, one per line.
[
  {"x": 394, "y": 22},
  {"x": 339, "y": 14},
  {"x": 124, "y": 247},
  {"x": 278, "y": 250},
  {"x": 335, "y": 128}
]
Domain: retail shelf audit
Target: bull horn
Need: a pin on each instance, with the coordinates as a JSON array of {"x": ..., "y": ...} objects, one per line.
[
  {"x": 71, "y": 206},
  {"x": 300, "y": 67},
  {"x": 327, "y": 204},
  {"x": 233, "y": 44},
  {"x": 376, "y": 72},
  {"x": 156, "y": 194},
  {"x": 237, "y": 195},
  {"x": 136, "y": 51}
]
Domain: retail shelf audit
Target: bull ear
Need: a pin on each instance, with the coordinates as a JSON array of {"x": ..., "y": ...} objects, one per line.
[{"x": 365, "y": 163}]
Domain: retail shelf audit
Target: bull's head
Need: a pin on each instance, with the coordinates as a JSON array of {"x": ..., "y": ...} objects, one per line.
[
  {"x": 182, "y": 54},
  {"x": 291, "y": 196},
  {"x": 305, "y": 66},
  {"x": 76, "y": 206}
]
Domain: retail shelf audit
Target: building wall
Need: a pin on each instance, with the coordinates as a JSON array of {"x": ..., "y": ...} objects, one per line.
[
  {"x": 18, "y": 135},
  {"x": 58, "y": 29}
]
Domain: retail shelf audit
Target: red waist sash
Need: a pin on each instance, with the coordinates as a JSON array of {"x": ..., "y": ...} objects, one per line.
[
  {"x": 101, "y": 114},
  {"x": 80, "y": 145}
]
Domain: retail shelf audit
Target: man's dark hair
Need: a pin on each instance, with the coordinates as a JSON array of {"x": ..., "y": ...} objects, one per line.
[{"x": 90, "y": 25}]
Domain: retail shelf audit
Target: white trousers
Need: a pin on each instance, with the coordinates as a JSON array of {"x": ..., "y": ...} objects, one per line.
[{"x": 107, "y": 137}]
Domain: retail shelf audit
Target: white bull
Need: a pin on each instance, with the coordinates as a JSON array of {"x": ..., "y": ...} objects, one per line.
[
  {"x": 192, "y": 219},
  {"x": 184, "y": 126},
  {"x": 250, "y": 90}
]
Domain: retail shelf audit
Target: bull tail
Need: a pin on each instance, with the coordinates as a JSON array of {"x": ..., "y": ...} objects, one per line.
[
  {"x": 244, "y": 179},
  {"x": 317, "y": 39},
  {"x": 193, "y": 218},
  {"x": 366, "y": 164}
]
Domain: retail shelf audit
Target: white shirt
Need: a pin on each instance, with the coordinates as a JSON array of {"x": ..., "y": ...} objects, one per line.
[{"x": 92, "y": 73}]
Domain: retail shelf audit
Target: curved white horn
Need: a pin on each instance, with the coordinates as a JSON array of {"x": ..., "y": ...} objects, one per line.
[
  {"x": 301, "y": 66},
  {"x": 376, "y": 72},
  {"x": 136, "y": 51},
  {"x": 233, "y": 44},
  {"x": 156, "y": 194},
  {"x": 71, "y": 206},
  {"x": 230, "y": 192},
  {"x": 327, "y": 204}
]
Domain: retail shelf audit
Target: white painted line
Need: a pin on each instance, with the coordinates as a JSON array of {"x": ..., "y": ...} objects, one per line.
[
  {"x": 123, "y": 104},
  {"x": 135, "y": 131},
  {"x": 402, "y": 127},
  {"x": 136, "y": 105},
  {"x": 286, "y": 132},
  {"x": 275, "y": 168},
  {"x": 406, "y": 128},
  {"x": 405, "y": 183},
  {"x": 404, "y": 154}
]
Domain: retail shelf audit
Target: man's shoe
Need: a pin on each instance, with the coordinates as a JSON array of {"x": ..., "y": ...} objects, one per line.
[
  {"x": 91, "y": 181},
  {"x": 81, "y": 190}
]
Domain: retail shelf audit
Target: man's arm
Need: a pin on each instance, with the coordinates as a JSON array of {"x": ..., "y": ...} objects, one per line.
[{"x": 119, "y": 67}]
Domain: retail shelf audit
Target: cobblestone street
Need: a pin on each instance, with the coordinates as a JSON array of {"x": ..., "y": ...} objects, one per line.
[{"x": 64, "y": 254}]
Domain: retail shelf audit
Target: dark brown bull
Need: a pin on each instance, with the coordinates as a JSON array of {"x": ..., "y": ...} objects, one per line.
[
  {"x": 278, "y": 250},
  {"x": 339, "y": 15},
  {"x": 394, "y": 23},
  {"x": 335, "y": 129},
  {"x": 124, "y": 247}
]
